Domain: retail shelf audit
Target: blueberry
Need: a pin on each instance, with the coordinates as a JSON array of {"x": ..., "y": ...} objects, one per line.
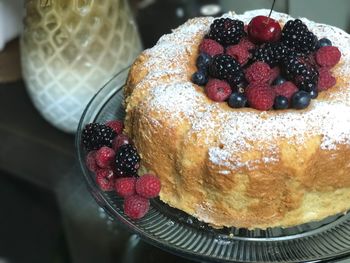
[
  {"x": 313, "y": 94},
  {"x": 301, "y": 99},
  {"x": 307, "y": 86},
  {"x": 203, "y": 61},
  {"x": 237, "y": 100},
  {"x": 200, "y": 78},
  {"x": 281, "y": 103},
  {"x": 323, "y": 42},
  {"x": 279, "y": 80}
]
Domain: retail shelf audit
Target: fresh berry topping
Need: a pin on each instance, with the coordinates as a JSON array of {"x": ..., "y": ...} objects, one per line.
[
  {"x": 211, "y": 47},
  {"x": 307, "y": 86},
  {"x": 105, "y": 179},
  {"x": 125, "y": 186},
  {"x": 127, "y": 160},
  {"x": 246, "y": 44},
  {"x": 279, "y": 80},
  {"x": 325, "y": 80},
  {"x": 239, "y": 53},
  {"x": 116, "y": 125},
  {"x": 286, "y": 89},
  {"x": 91, "y": 161},
  {"x": 237, "y": 100},
  {"x": 328, "y": 56},
  {"x": 136, "y": 206},
  {"x": 298, "y": 70},
  {"x": 120, "y": 140},
  {"x": 105, "y": 157},
  {"x": 280, "y": 103},
  {"x": 275, "y": 73},
  {"x": 258, "y": 72},
  {"x": 96, "y": 135},
  {"x": 271, "y": 53},
  {"x": 262, "y": 29},
  {"x": 200, "y": 78},
  {"x": 260, "y": 96},
  {"x": 323, "y": 42},
  {"x": 313, "y": 94},
  {"x": 218, "y": 90},
  {"x": 227, "y": 68},
  {"x": 226, "y": 31},
  {"x": 296, "y": 35},
  {"x": 203, "y": 61},
  {"x": 301, "y": 100},
  {"x": 148, "y": 186}
]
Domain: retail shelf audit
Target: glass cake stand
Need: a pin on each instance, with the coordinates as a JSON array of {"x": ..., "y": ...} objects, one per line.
[{"x": 179, "y": 233}]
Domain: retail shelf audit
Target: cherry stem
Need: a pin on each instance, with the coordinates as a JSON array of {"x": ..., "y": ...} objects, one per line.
[{"x": 273, "y": 4}]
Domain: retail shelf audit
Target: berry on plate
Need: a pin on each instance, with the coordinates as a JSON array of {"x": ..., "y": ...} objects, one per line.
[
  {"x": 148, "y": 186},
  {"x": 136, "y": 206},
  {"x": 240, "y": 53},
  {"x": 325, "y": 79},
  {"x": 226, "y": 31},
  {"x": 301, "y": 100},
  {"x": 280, "y": 103},
  {"x": 226, "y": 68},
  {"x": 127, "y": 160},
  {"x": 104, "y": 157},
  {"x": 96, "y": 135},
  {"x": 286, "y": 89},
  {"x": 105, "y": 179},
  {"x": 125, "y": 187},
  {"x": 116, "y": 125},
  {"x": 91, "y": 161},
  {"x": 120, "y": 140},
  {"x": 200, "y": 77},
  {"x": 237, "y": 100}
]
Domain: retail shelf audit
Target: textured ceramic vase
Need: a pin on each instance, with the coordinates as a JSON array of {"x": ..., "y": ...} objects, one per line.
[{"x": 69, "y": 49}]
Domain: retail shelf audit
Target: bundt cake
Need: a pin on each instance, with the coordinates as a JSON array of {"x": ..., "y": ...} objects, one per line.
[{"x": 239, "y": 167}]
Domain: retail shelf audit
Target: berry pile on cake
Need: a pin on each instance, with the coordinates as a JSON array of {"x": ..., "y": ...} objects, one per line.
[
  {"x": 114, "y": 160},
  {"x": 265, "y": 66},
  {"x": 220, "y": 151}
]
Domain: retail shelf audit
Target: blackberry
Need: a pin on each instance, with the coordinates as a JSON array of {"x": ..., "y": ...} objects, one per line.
[
  {"x": 226, "y": 31},
  {"x": 96, "y": 135},
  {"x": 296, "y": 69},
  {"x": 271, "y": 53},
  {"x": 296, "y": 35},
  {"x": 227, "y": 68},
  {"x": 127, "y": 160}
]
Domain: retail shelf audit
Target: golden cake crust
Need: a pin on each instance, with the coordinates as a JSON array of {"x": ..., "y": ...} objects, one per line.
[{"x": 238, "y": 167}]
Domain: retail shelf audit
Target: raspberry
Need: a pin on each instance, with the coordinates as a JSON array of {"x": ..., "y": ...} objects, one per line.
[
  {"x": 105, "y": 173},
  {"x": 105, "y": 179},
  {"x": 258, "y": 72},
  {"x": 120, "y": 140},
  {"x": 125, "y": 186},
  {"x": 218, "y": 90},
  {"x": 116, "y": 125},
  {"x": 136, "y": 206},
  {"x": 325, "y": 79},
  {"x": 148, "y": 186},
  {"x": 91, "y": 161},
  {"x": 246, "y": 44},
  {"x": 211, "y": 47},
  {"x": 328, "y": 56},
  {"x": 105, "y": 157},
  {"x": 286, "y": 89},
  {"x": 260, "y": 96},
  {"x": 239, "y": 53}
]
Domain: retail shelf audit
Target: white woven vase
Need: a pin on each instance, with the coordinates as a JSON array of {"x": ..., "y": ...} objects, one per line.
[{"x": 69, "y": 49}]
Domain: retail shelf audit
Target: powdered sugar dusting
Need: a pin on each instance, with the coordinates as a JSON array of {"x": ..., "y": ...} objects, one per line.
[{"x": 235, "y": 130}]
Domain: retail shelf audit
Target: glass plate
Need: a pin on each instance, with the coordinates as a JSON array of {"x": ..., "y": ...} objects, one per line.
[{"x": 179, "y": 233}]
